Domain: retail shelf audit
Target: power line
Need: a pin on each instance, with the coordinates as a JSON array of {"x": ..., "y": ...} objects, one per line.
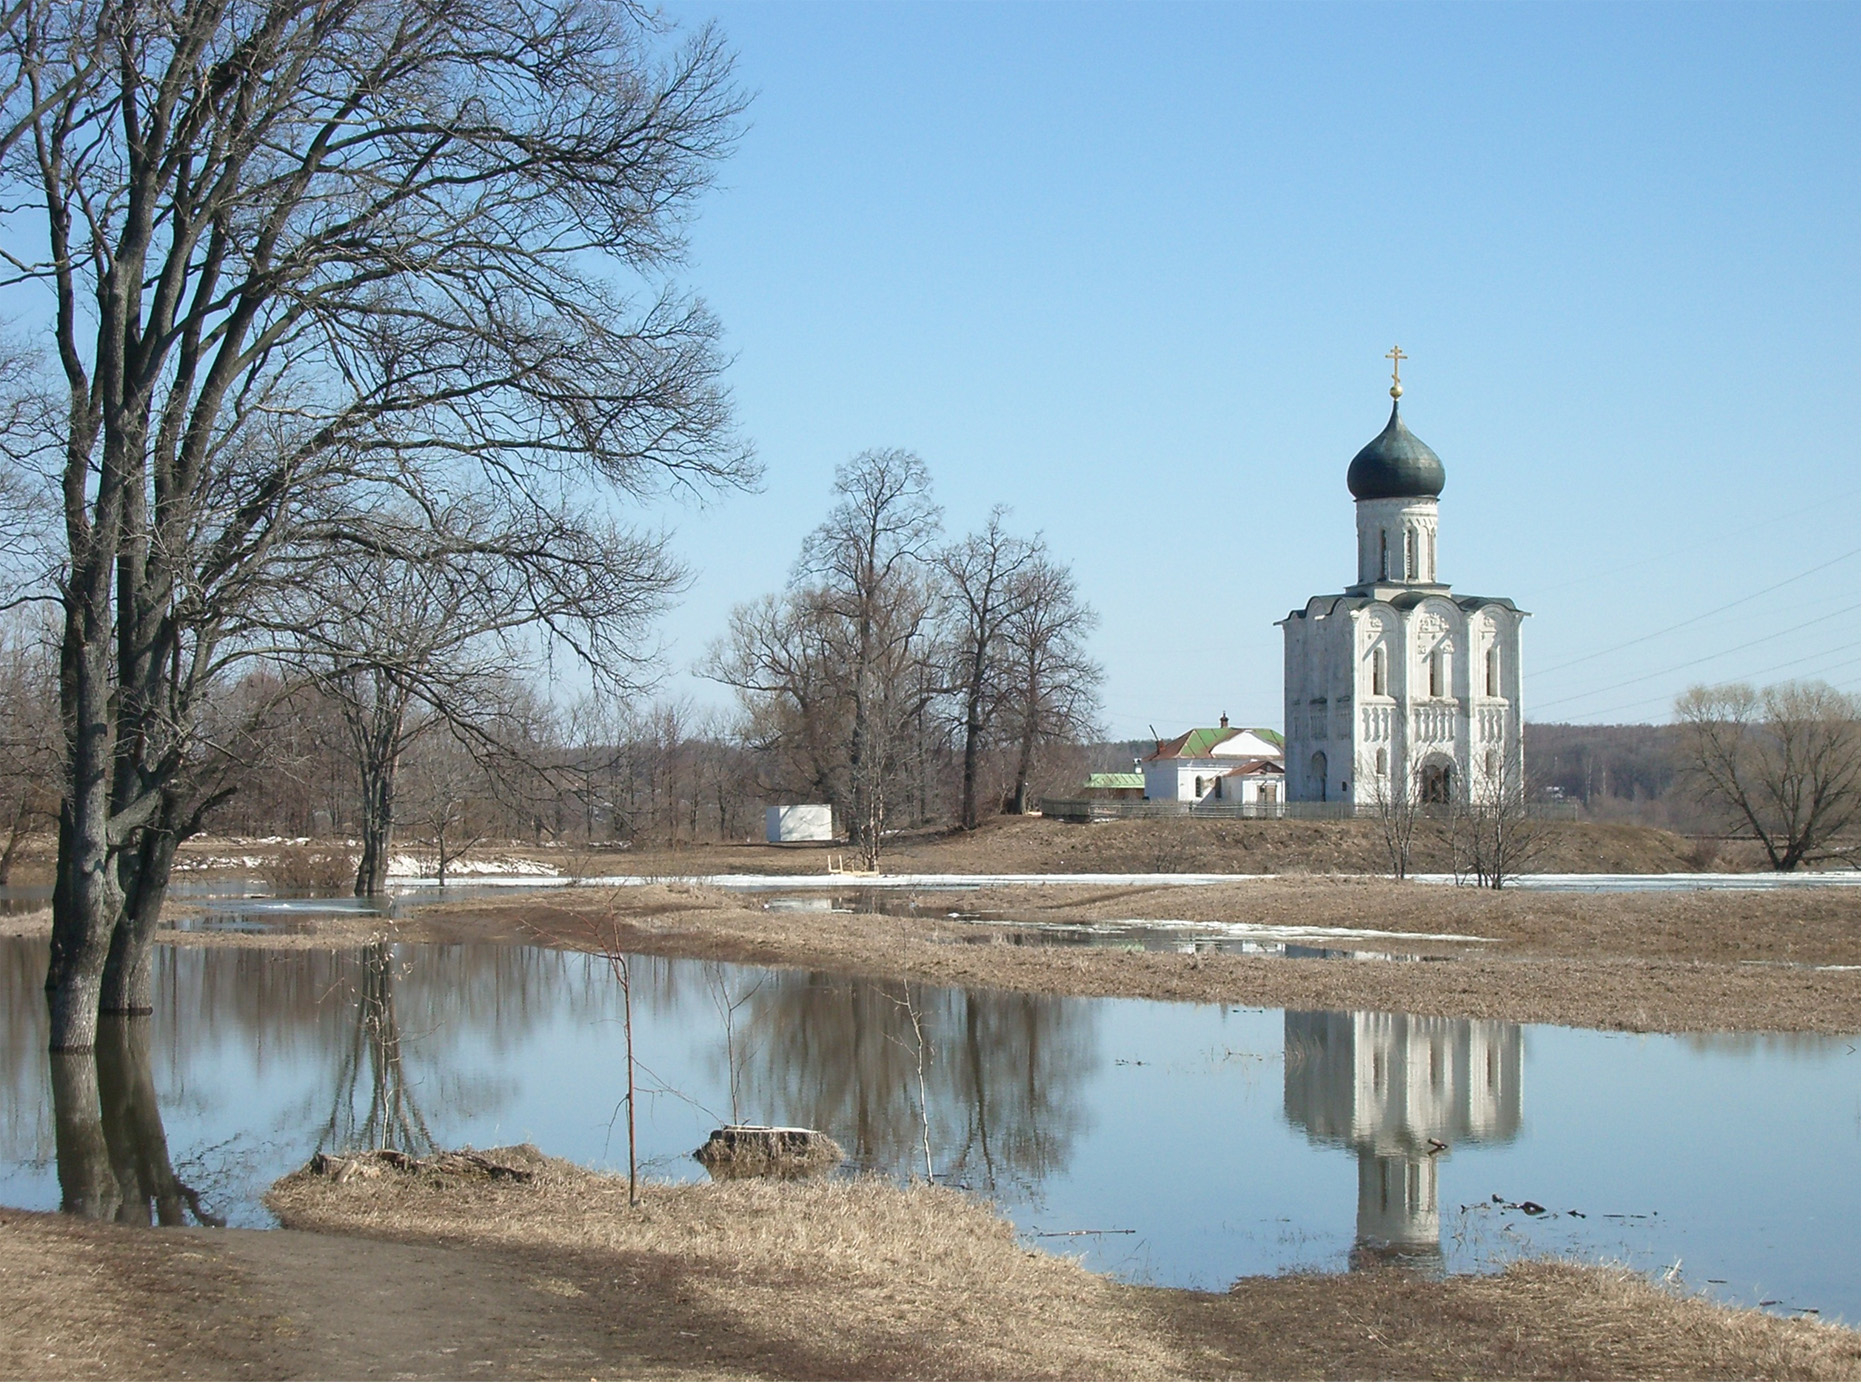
[
  {"x": 1690, "y": 547},
  {"x": 1739, "y": 601},
  {"x": 1849, "y": 665},
  {"x": 1691, "y": 663}
]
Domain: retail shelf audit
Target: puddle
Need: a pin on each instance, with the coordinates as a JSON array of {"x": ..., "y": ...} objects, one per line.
[
  {"x": 1229, "y": 1141},
  {"x": 1133, "y": 935},
  {"x": 1150, "y": 938}
]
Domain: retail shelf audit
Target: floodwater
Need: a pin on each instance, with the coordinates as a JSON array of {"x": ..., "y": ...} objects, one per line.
[{"x": 1172, "y": 1144}]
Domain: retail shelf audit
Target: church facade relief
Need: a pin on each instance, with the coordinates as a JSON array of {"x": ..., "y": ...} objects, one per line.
[{"x": 1399, "y": 682}]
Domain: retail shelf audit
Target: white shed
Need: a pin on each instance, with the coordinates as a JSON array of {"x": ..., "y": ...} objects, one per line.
[{"x": 798, "y": 823}]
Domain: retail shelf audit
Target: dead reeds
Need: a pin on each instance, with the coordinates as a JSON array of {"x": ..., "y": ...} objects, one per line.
[{"x": 859, "y": 1278}]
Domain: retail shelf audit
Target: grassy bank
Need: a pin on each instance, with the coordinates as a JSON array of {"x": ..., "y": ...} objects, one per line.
[
  {"x": 1685, "y": 961},
  {"x": 1020, "y": 845},
  {"x": 821, "y": 1280},
  {"x": 1682, "y": 961}
]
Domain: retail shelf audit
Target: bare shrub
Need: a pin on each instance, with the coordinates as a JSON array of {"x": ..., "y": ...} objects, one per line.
[{"x": 301, "y": 869}]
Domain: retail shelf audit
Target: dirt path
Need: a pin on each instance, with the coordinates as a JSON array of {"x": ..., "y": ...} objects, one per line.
[
  {"x": 412, "y": 1277},
  {"x": 346, "y": 1309},
  {"x": 96, "y": 1300}
]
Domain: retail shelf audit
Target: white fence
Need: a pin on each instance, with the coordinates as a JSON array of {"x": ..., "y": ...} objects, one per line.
[{"x": 1104, "y": 810}]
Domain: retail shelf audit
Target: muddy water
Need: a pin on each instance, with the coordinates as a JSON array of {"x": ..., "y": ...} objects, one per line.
[{"x": 1191, "y": 1144}]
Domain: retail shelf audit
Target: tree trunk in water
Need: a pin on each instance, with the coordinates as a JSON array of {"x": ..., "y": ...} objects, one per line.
[
  {"x": 128, "y": 987},
  {"x": 147, "y": 1188},
  {"x": 378, "y": 824},
  {"x": 86, "y": 904},
  {"x": 86, "y": 1186}
]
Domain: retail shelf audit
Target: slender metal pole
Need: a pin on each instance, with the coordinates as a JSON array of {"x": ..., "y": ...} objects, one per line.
[{"x": 627, "y": 1025}]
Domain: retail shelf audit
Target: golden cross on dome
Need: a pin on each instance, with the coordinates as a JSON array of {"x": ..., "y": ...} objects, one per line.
[{"x": 1394, "y": 356}]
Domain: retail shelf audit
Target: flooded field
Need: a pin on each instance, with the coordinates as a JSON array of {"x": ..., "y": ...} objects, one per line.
[{"x": 1174, "y": 1144}]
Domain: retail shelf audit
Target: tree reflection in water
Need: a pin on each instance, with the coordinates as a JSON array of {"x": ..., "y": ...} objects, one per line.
[
  {"x": 373, "y": 1107},
  {"x": 112, "y": 1152},
  {"x": 1003, "y": 1074},
  {"x": 1402, "y": 1091}
]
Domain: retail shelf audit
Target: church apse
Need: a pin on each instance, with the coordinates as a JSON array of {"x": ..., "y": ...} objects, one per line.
[{"x": 1402, "y": 1092}]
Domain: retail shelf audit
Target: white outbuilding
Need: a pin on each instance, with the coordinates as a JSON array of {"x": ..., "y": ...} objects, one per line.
[
  {"x": 798, "y": 823},
  {"x": 1220, "y": 764}
]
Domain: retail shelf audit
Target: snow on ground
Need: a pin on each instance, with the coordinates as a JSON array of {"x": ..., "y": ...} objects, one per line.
[{"x": 403, "y": 865}]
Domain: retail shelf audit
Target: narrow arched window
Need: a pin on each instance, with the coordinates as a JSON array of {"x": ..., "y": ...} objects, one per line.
[
  {"x": 1429, "y": 572},
  {"x": 1377, "y": 671},
  {"x": 1410, "y": 555},
  {"x": 1384, "y": 553},
  {"x": 1384, "y": 761},
  {"x": 1494, "y": 671},
  {"x": 1436, "y": 673}
]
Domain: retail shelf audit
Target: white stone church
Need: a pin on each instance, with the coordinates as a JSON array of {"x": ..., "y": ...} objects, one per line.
[{"x": 1397, "y": 675}]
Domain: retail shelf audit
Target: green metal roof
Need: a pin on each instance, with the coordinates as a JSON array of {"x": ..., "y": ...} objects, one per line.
[
  {"x": 1200, "y": 742},
  {"x": 1116, "y": 779}
]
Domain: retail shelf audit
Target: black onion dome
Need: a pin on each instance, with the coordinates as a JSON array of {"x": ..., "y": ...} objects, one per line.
[{"x": 1395, "y": 463}]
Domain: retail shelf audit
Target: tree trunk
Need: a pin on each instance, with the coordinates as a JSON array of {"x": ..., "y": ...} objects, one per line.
[
  {"x": 973, "y": 736},
  {"x": 86, "y": 1187},
  {"x": 1025, "y": 756},
  {"x": 378, "y": 825},
  {"x": 147, "y": 1188},
  {"x": 86, "y": 898},
  {"x": 128, "y": 987}
]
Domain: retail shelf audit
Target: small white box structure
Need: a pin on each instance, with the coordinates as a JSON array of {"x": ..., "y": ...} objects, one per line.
[{"x": 798, "y": 823}]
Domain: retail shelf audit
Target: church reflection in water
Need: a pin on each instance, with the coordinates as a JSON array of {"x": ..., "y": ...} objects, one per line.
[{"x": 1402, "y": 1092}]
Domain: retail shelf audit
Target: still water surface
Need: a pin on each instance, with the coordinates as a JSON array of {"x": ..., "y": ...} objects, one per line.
[{"x": 1195, "y": 1143}]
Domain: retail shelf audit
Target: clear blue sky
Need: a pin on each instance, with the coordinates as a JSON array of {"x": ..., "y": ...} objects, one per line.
[{"x": 1131, "y": 269}]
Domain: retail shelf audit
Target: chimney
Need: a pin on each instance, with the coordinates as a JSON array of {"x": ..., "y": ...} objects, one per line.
[{"x": 1224, "y": 721}]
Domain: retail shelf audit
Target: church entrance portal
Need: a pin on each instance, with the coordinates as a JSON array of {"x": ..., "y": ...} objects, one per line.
[
  {"x": 1318, "y": 772},
  {"x": 1438, "y": 782}
]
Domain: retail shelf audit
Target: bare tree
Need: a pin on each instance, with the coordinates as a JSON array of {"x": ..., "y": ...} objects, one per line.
[
  {"x": 1492, "y": 828},
  {"x": 1397, "y": 799},
  {"x": 983, "y": 572},
  {"x": 299, "y": 260},
  {"x": 431, "y": 625},
  {"x": 1779, "y": 763},
  {"x": 1055, "y": 685},
  {"x": 29, "y": 736},
  {"x": 450, "y": 800},
  {"x": 868, "y": 565},
  {"x": 834, "y": 673}
]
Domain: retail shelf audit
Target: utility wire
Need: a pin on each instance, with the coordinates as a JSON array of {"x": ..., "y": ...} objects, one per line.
[
  {"x": 1849, "y": 665},
  {"x": 1739, "y": 601},
  {"x": 1690, "y": 547},
  {"x": 1689, "y": 664}
]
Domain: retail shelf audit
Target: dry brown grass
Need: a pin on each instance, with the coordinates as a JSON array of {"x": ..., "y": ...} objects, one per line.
[
  {"x": 837, "y": 1280},
  {"x": 1041, "y": 845},
  {"x": 37, "y": 924},
  {"x": 1630, "y": 961},
  {"x": 1538, "y": 1321},
  {"x": 93, "y": 1301},
  {"x": 826, "y": 1279}
]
